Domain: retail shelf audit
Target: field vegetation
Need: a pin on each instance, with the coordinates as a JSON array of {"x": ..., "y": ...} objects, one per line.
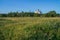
[{"x": 30, "y": 28}]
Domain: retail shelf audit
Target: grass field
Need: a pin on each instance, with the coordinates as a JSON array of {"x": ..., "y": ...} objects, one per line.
[{"x": 29, "y": 28}]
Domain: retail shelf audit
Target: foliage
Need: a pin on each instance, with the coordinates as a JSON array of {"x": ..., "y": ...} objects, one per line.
[
  {"x": 30, "y": 14},
  {"x": 1, "y": 36},
  {"x": 51, "y": 14},
  {"x": 30, "y": 28}
]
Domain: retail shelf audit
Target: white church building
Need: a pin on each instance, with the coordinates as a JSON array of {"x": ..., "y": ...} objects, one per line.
[{"x": 38, "y": 11}]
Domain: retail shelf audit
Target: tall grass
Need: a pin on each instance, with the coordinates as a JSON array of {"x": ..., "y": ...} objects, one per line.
[{"x": 30, "y": 28}]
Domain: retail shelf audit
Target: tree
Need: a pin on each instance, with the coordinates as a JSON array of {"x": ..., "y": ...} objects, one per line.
[
  {"x": 51, "y": 14},
  {"x": 12, "y": 14}
]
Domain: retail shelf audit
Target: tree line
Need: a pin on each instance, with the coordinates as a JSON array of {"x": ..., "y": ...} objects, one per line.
[{"x": 30, "y": 14}]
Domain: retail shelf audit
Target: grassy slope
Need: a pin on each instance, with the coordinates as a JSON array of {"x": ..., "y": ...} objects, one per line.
[{"x": 25, "y": 27}]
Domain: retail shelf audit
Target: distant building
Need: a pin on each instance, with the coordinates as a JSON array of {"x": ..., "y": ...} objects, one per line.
[{"x": 38, "y": 11}]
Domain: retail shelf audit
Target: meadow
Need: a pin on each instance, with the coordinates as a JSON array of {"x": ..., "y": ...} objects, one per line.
[{"x": 29, "y": 28}]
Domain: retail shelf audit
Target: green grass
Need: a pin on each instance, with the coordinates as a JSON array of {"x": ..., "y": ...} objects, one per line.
[{"x": 30, "y": 28}]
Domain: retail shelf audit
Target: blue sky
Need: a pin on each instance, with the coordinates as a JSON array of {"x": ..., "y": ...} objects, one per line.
[{"x": 29, "y": 5}]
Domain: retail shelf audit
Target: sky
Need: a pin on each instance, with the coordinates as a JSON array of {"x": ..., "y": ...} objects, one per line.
[{"x": 29, "y": 5}]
